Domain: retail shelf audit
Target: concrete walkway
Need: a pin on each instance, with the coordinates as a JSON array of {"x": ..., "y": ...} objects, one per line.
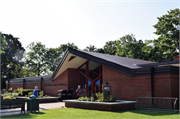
[{"x": 42, "y": 106}]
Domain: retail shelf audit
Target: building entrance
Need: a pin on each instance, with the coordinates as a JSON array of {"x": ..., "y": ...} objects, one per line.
[{"x": 90, "y": 77}]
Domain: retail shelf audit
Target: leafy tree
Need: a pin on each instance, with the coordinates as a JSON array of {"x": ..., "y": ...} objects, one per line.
[
  {"x": 64, "y": 46},
  {"x": 110, "y": 47},
  {"x": 41, "y": 60},
  {"x": 3, "y": 43},
  {"x": 11, "y": 58},
  {"x": 53, "y": 57},
  {"x": 100, "y": 50},
  {"x": 35, "y": 58},
  {"x": 129, "y": 47},
  {"x": 167, "y": 29},
  {"x": 166, "y": 46},
  {"x": 90, "y": 48}
]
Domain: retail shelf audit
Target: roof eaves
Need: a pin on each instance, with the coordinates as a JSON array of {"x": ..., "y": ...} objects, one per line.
[
  {"x": 60, "y": 63},
  {"x": 156, "y": 64},
  {"x": 103, "y": 62}
]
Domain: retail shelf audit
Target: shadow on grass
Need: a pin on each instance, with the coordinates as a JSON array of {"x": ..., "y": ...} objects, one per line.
[
  {"x": 151, "y": 112},
  {"x": 28, "y": 115}
]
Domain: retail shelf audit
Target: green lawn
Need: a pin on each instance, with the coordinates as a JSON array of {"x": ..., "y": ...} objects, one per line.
[{"x": 83, "y": 113}]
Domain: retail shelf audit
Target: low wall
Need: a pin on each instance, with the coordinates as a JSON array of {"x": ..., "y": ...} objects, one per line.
[{"x": 103, "y": 106}]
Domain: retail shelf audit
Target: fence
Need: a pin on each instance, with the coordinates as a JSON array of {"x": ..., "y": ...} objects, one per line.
[{"x": 157, "y": 103}]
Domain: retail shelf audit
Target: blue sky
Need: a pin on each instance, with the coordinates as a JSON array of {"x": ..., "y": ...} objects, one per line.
[{"x": 55, "y": 22}]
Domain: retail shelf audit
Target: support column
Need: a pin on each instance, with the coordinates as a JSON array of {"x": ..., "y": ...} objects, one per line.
[
  {"x": 41, "y": 82},
  {"x": 152, "y": 83},
  {"x": 87, "y": 66},
  {"x": 24, "y": 80},
  {"x": 100, "y": 71},
  {"x": 77, "y": 78}
]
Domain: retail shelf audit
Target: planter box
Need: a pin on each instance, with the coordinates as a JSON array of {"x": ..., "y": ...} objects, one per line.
[
  {"x": 32, "y": 105},
  {"x": 120, "y": 105},
  {"x": 41, "y": 100},
  {"x": 10, "y": 104}
]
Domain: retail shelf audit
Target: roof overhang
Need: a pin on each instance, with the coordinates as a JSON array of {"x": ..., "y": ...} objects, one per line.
[
  {"x": 171, "y": 63},
  {"x": 82, "y": 57}
]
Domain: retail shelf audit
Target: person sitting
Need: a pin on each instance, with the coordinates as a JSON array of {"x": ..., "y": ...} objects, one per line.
[
  {"x": 35, "y": 92},
  {"x": 79, "y": 91}
]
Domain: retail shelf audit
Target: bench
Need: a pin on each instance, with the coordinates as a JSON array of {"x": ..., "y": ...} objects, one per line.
[
  {"x": 65, "y": 94},
  {"x": 9, "y": 104}
]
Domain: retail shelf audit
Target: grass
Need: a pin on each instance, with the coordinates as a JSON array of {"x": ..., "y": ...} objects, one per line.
[{"x": 94, "y": 114}]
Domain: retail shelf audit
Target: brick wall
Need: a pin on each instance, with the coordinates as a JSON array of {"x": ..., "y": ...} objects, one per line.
[
  {"x": 15, "y": 86},
  {"x": 126, "y": 87},
  {"x": 72, "y": 79},
  {"x": 60, "y": 83},
  {"x": 162, "y": 85},
  {"x": 31, "y": 85},
  {"x": 174, "y": 85}
]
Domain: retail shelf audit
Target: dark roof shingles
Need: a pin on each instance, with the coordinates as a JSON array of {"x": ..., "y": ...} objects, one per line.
[{"x": 123, "y": 61}]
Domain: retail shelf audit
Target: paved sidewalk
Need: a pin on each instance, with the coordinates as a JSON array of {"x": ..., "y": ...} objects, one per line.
[{"x": 42, "y": 106}]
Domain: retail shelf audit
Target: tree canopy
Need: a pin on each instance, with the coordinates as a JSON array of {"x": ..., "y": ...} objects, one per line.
[
  {"x": 11, "y": 58},
  {"x": 167, "y": 29},
  {"x": 128, "y": 46}
]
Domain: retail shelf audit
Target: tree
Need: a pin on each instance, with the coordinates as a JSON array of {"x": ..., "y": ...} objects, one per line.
[
  {"x": 90, "y": 48},
  {"x": 71, "y": 45},
  {"x": 167, "y": 30},
  {"x": 110, "y": 47},
  {"x": 53, "y": 57},
  {"x": 35, "y": 58},
  {"x": 129, "y": 47},
  {"x": 3, "y": 43},
  {"x": 41, "y": 60},
  {"x": 11, "y": 58},
  {"x": 100, "y": 50}
]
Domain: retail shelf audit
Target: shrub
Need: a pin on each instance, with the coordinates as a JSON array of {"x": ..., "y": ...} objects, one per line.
[
  {"x": 92, "y": 98},
  {"x": 80, "y": 98},
  {"x": 113, "y": 98},
  {"x": 10, "y": 90},
  {"x": 3, "y": 91},
  {"x": 19, "y": 91},
  {"x": 26, "y": 91},
  {"x": 100, "y": 97},
  {"x": 85, "y": 98},
  {"x": 9, "y": 96},
  {"x": 41, "y": 94},
  {"x": 29, "y": 94}
]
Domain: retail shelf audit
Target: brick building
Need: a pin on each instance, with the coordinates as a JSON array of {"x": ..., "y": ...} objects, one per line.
[{"x": 127, "y": 78}]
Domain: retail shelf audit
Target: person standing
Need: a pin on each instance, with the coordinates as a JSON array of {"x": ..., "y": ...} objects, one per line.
[
  {"x": 79, "y": 91},
  {"x": 35, "y": 92}
]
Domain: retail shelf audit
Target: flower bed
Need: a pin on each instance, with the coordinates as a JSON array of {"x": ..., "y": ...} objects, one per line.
[{"x": 119, "y": 105}]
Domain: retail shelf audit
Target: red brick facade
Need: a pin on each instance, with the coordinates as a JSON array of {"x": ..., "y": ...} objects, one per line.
[
  {"x": 125, "y": 87},
  {"x": 67, "y": 80}
]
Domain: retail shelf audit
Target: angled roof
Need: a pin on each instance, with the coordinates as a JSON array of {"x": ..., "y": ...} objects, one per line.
[
  {"x": 123, "y": 61},
  {"x": 129, "y": 66},
  {"x": 122, "y": 64}
]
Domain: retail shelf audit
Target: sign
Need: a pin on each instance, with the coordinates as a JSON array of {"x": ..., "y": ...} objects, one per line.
[
  {"x": 107, "y": 90},
  {"x": 55, "y": 84}
]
